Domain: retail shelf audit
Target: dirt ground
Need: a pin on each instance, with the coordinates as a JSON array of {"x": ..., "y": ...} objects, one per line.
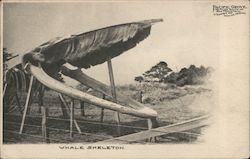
[{"x": 173, "y": 104}]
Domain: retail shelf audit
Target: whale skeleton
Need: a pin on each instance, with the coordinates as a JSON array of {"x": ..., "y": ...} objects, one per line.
[
  {"x": 60, "y": 87},
  {"x": 83, "y": 51}
]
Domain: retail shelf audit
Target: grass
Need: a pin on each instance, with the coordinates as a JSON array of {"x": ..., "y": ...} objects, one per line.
[{"x": 173, "y": 104}]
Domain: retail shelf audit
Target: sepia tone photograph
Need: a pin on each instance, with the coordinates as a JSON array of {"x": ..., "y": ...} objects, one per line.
[{"x": 105, "y": 76}]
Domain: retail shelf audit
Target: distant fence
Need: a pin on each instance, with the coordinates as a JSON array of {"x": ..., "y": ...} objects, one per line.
[{"x": 97, "y": 137}]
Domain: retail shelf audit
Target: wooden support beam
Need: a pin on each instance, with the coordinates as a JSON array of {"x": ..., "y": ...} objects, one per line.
[
  {"x": 62, "y": 99},
  {"x": 71, "y": 117},
  {"x": 63, "y": 106},
  {"x": 45, "y": 131},
  {"x": 178, "y": 127},
  {"x": 77, "y": 127},
  {"x": 102, "y": 111},
  {"x": 17, "y": 83},
  {"x": 31, "y": 98},
  {"x": 18, "y": 103},
  {"x": 151, "y": 126},
  {"x": 4, "y": 88},
  {"x": 26, "y": 104},
  {"x": 102, "y": 115},
  {"x": 113, "y": 92},
  {"x": 111, "y": 78},
  {"x": 40, "y": 98},
  {"x": 118, "y": 120},
  {"x": 82, "y": 108}
]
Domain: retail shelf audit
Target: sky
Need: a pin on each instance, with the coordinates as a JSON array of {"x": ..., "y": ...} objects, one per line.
[{"x": 188, "y": 35}]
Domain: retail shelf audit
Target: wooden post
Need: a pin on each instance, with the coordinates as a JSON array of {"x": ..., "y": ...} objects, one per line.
[
  {"x": 111, "y": 78},
  {"x": 82, "y": 108},
  {"x": 40, "y": 98},
  {"x": 152, "y": 123},
  {"x": 71, "y": 117},
  {"x": 26, "y": 103},
  {"x": 4, "y": 89},
  {"x": 18, "y": 103},
  {"x": 102, "y": 111},
  {"x": 155, "y": 123},
  {"x": 45, "y": 132},
  {"x": 30, "y": 99},
  {"x": 77, "y": 127},
  {"x": 66, "y": 106},
  {"x": 102, "y": 115},
  {"x": 63, "y": 106},
  {"x": 150, "y": 126},
  {"x": 113, "y": 92}
]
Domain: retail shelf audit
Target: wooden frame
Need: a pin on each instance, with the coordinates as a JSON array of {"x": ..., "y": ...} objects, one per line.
[{"x": 178, "y": 127}]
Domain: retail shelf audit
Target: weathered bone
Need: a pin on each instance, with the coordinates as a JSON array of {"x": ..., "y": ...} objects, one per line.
[
  {"x": 100, "y": 87},
  {"x": 41, "y": 76}
]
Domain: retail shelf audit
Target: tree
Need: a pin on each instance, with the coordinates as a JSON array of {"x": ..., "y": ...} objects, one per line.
[
  {"x": 139, "y": 79},
  {"x": 159, "y": 72}
]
